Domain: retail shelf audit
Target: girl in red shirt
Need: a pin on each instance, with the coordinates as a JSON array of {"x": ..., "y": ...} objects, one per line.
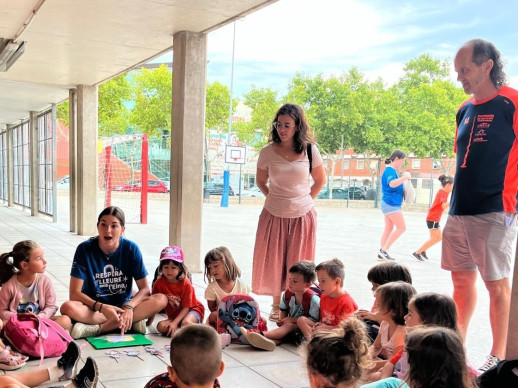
[
  {"x": 434, "y": 216},
  {"x": 182, "y": 308}
]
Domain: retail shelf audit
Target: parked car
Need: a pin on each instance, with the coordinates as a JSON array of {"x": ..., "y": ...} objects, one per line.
[
  {"x": 337, "y": 193},
  {"x": 136, "y": 185},
  {"x": 253, "y": 191},
  {"x": 216, "y": 188},
  {"x": 357, "y": 193},
  {"x": 63, "y": 183}
]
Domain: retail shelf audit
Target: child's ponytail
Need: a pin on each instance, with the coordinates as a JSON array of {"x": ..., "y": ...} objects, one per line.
[
  {"x": 10, "y": 262},
  {"x": 341, "y": 355}
]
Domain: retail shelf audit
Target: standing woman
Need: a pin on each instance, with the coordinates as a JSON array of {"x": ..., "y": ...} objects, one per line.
[
  {"x": 434, "y": 216},
  {"x": 101, "y": 279},
  {"x": 391, "y": 200},
  {"x": 286, "y": 232}
]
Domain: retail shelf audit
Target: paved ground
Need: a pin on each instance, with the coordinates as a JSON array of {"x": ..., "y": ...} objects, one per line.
[{"x": 351, "y": 234}]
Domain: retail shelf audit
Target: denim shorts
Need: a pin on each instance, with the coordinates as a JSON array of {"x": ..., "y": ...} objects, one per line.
[{"x": 389, "y": 209}]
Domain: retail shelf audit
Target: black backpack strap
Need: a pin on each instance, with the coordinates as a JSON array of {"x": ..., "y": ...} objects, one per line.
[{"x": 310, "y": 158}]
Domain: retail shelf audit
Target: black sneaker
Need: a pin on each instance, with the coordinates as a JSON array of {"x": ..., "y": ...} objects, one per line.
[
  {"x": 88, "y": 376},
  {"x": 418, "y": 256},
  {"x": 68, "y": 361},
  {"x": 384, "y": 255},
  {"x": 423, "y": 253}
]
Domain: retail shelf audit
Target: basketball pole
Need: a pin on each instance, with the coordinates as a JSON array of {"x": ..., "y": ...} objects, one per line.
[{"x": 226, "y": 173}]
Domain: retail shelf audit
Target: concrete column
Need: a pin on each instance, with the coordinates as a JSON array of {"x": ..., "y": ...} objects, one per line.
[
  {"x": 188, "y": 123},
  {"x": 33, "y": 162},
  {"x": 9, "y": 138},
  {"x": 72, "y": 158},
  {"x": 86, "y": 160}
]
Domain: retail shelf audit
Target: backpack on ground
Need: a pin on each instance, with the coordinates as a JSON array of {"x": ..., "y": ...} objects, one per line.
[
  {"x": 502, "y": 375},
  {"x": 36, "y": 336},
  {"x": 237, "y": 311}
]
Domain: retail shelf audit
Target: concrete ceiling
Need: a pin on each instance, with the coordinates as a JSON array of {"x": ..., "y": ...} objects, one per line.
[{"x": 74, "y": 42}]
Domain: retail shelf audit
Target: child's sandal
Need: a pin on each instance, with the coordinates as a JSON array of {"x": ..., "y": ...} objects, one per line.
[
  {"x": 10, "y": 362},
  {"x": 275, "y": 315},
  {"x": 23, "y": 357}
]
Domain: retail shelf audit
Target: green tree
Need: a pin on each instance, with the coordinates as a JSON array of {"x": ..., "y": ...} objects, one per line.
[
  {"x": 217, "y": 106},
  {"x": 152, "y": 95},
  {"x": 428, "y": 102},
  {"x": 264, "y": 103},
  {"x": 113, "y": 113}
]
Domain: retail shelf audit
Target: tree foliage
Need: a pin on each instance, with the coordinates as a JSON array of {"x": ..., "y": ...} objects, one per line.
[
  {"x": 112, "y": 111},
  {"x": 217, "y": 107},
  {"x": 152, "y": 95},
  {"x": 264, "y": 103}
]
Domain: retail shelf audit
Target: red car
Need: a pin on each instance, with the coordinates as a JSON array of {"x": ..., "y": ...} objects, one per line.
[{"x": 153, "y": 186}]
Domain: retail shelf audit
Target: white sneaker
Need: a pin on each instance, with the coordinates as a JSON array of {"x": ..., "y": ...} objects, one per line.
[
  {"x": 139, "y": 327},
  {"x": 259, "y": 341},
  {"x": 491, "y": 361},
  {"x": 82, "y": 330}
]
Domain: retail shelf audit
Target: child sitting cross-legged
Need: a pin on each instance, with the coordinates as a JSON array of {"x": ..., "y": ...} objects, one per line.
[
  {"x": 335, "y": 304},
  {"x": 195, "y": 359},
  {"x": 297, "y": 301}
]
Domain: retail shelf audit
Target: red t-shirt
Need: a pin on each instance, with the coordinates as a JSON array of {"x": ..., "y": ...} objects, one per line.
[
  {"x": 179, "y": 295},
  {"x": 334, "y": 310},
  {"x": 436, "y": 210}
]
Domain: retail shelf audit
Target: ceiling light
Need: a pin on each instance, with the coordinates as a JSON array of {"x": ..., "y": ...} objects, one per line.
[{"x": 10, "y": 53}]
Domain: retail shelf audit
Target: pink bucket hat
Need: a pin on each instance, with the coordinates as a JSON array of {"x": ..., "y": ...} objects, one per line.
[{"x": 172, "y": 253}]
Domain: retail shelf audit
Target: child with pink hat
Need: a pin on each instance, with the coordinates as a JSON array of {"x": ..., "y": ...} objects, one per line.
[{"x": 171, "y": 280}]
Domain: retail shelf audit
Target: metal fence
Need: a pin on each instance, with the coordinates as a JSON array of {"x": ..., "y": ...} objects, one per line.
[{"x": 45, "y": 162}]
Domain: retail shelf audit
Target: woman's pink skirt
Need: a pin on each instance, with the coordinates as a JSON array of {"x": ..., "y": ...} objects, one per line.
[{"x": 280, "y": 243}]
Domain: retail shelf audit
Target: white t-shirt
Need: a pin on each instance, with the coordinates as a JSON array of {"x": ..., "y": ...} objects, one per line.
[{"x": 215, "y": 293}]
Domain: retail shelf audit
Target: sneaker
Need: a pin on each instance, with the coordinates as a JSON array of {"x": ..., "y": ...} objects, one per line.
[
  {"x": 418, "y": 256},
  {"x": 82, "y": 330},
  {"x": 423, "y": 253},
  {"x": 491, "y": 361},
  {"x": 68, "y": 361},
  {"x": 260, "y": 341},
  {"x": 384, "y": 255},
  {"x": 139, "y": 327},
  {"x": 225, "y": 339},
  {"x": 88, "y": 376}
]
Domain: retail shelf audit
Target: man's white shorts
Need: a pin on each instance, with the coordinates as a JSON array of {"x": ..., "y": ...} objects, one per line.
[{"x": 482, "y": 241}]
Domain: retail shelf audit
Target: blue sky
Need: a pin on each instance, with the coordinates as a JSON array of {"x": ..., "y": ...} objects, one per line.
[{"x": 377, "y": 36}]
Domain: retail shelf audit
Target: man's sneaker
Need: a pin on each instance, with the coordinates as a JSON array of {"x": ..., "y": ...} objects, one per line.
[
  {"x": 260, "y": 341},
  {"x": 225, "y": 339},
  {"x": 384, "y": 255},
  {"x": 139, "y": 327},
  {"x": 68, "y": 361},
  {"x": 418, "y": 256},
  {"x": 491, "y": 361},
  {"x": 88, "y": 376},
  {"x": 82, "y": 330},
  {"x": 423, "y": 254}
]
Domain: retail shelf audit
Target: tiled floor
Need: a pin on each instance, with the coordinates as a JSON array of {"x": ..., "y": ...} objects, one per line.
[{"x": 351, "y": 234}]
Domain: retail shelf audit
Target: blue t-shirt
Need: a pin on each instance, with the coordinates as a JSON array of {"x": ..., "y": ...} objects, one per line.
[
  {"x": 392, "y": 196},
  {"x": 108, "y": 278},
  {"x": 297, "y": 310}
]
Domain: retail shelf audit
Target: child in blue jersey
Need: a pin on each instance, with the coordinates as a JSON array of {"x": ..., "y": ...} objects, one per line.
[
  {"x": 101, "y": 279},
  {"x": 297, "y": 301}
]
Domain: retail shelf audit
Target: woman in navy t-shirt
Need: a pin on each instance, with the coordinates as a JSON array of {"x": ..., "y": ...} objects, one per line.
[{"x": 101, "y": 295}]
